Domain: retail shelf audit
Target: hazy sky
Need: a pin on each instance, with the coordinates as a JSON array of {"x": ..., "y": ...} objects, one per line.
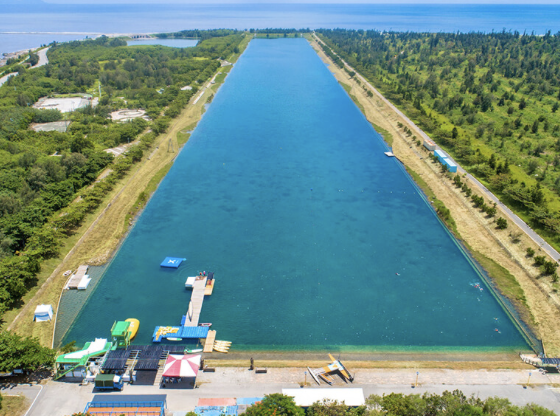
[{"x": 305, "y": 1}]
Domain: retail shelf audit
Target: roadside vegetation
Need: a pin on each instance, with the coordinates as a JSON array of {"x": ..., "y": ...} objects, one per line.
[
  {"x": 489, "y": 99},
  {"x": 15, "y": 405},
  {"x": 51, "y": 181},
  {"x": 397, "y": 404}
]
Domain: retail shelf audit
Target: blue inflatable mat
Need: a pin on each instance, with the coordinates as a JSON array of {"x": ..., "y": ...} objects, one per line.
[{"x": 172, "y": 262}]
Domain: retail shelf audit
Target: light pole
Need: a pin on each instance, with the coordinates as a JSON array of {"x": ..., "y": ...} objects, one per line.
[
  {"x": 528, "y": 380},
  {"x": 416, "y": 384}
]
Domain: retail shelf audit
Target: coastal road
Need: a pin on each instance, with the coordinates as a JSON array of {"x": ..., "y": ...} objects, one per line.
[
  {"x": 43, "y": 60},
  {"x": 5, "y": 77},
  {"x": 513, "y": 217},
  {"x": 64, "y": 399}
]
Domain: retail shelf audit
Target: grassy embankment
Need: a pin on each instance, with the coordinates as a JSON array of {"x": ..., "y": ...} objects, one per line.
[
  {"x": 507, "y": 284},
  {"x": 387, "y": 136},
  {"x": 95, "y": 241},
  {"x": 531, "y": 149},
  {"x": 13, "y": 405}
]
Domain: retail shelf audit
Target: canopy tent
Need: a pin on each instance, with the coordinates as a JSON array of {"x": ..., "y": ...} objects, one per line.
[
  {"x": 43, "y": 313},
  {"x": 181, "y": 365}
]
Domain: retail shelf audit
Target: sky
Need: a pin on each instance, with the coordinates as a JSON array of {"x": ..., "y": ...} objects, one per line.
[{"x": 300, "y": 1}]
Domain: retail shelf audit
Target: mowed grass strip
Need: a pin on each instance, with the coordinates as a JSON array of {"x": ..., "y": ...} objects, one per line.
[{"x": 13, "y": 405}]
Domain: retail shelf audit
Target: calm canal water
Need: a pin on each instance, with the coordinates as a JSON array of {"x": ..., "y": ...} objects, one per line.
[{"x": 317, "y": 239}]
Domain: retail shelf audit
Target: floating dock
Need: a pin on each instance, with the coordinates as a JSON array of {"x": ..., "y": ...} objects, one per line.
[
  {"x": 195, "y": 305},
  {"x": 209, "y": 284},
  {"x": 179, "y": 332},
  {"x": 209, "y": 343},
  {"x": 76, "y": 279},
  {"x": 190, "y": 328},
  {"x": 172, "y": 262}
]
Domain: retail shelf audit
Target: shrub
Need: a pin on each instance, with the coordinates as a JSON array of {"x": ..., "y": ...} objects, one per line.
[
  {"x": 501, "y": 223},
  {"x": 549, "y": 267},
  {"x": 530, "y": 252},
  {"x": 539, "y": 260}
]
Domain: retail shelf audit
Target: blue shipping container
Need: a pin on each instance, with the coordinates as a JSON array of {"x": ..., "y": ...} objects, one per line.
[
  {"x": 440, "y": 154},
  {"x": 452, "y": 167}
]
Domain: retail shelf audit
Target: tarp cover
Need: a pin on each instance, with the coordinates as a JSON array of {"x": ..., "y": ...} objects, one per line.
[
  {"x": 222, "y": 401},
  {"x": 130, "y": 398},
  {"x": 43, "y": 313},
  {"x": 181, "y": 365},
  {"x": 306, "y": 397}
]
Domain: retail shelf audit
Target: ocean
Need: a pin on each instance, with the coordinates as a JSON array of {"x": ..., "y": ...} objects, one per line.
[
  {"x": 317, "y": 239},
  {"x": 22, "y": 28}
]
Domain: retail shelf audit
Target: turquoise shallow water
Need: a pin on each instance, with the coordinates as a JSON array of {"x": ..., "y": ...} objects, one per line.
[{"x": 317, "y": 239}]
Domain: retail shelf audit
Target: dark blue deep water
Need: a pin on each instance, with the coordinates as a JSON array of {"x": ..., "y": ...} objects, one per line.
[
  {"x": 144, "y": 18},
  {"x": 316, "y": 237}
]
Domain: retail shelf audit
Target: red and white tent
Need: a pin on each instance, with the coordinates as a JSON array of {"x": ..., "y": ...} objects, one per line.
[{"x": 181, "y": 365}]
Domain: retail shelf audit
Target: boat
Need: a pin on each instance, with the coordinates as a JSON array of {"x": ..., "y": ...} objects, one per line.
[
  {"x": 187, "y": 351},
  {"x": 221, "y": 349},
  {"x": 174, "y": 339},
  {"x": 133, "y": 327}
]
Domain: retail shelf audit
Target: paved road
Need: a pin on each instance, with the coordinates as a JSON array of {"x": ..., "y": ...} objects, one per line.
[
  {"x": 5, "y": 77},
  {"x": 518, "y": 221},
  {"x": 43, "y": 60},
  {"x": 63, "y": 399}
]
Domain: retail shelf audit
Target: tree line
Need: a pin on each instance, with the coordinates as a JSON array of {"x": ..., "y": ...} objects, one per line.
[
  {"x": 48, "y": 179},
  {"x": 489, "y": 99}
]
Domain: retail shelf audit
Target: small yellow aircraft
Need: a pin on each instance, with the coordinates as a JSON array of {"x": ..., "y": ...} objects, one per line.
[{"x": 326, "y": 373}]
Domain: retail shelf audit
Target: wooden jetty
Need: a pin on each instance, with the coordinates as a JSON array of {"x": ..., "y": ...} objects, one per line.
[
  {"x": 195, "y": 305},
  {"x": 209, "y": 287},
  {"x": 77, "y": 278},
  {"x": 209, "y": 343}
]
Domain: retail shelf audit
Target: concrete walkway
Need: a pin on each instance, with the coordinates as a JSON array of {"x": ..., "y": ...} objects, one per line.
[
  {"x": 513, "y": 217},
  {"x": 65, "y": 399}
]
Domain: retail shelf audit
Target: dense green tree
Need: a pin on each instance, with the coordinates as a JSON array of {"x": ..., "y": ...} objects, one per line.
[
  {"x": 17, "y": 352},
  {"x": 334, "y": 408},
  {"x": 275, "y": 404},
  {"x": 418, "y": 71},
  {"x": 42, "y": 173}
]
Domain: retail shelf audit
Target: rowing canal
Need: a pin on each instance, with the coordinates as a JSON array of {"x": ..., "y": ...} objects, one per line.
[{"x": 316, "y": 238}]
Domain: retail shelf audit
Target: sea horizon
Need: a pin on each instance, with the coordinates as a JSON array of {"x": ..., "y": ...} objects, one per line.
[{"x": 47, "y": 22}]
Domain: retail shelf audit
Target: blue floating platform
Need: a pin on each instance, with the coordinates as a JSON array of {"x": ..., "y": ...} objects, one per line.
[
  {"x": 172, "y": 262},
  {"x": 183, "y": 332}
]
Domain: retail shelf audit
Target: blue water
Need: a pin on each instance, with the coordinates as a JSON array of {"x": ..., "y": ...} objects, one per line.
[
  {"x": 173, "y": 43},
  {"x": 143, "y": 18},
  {"x": 316, "y": 237}
]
